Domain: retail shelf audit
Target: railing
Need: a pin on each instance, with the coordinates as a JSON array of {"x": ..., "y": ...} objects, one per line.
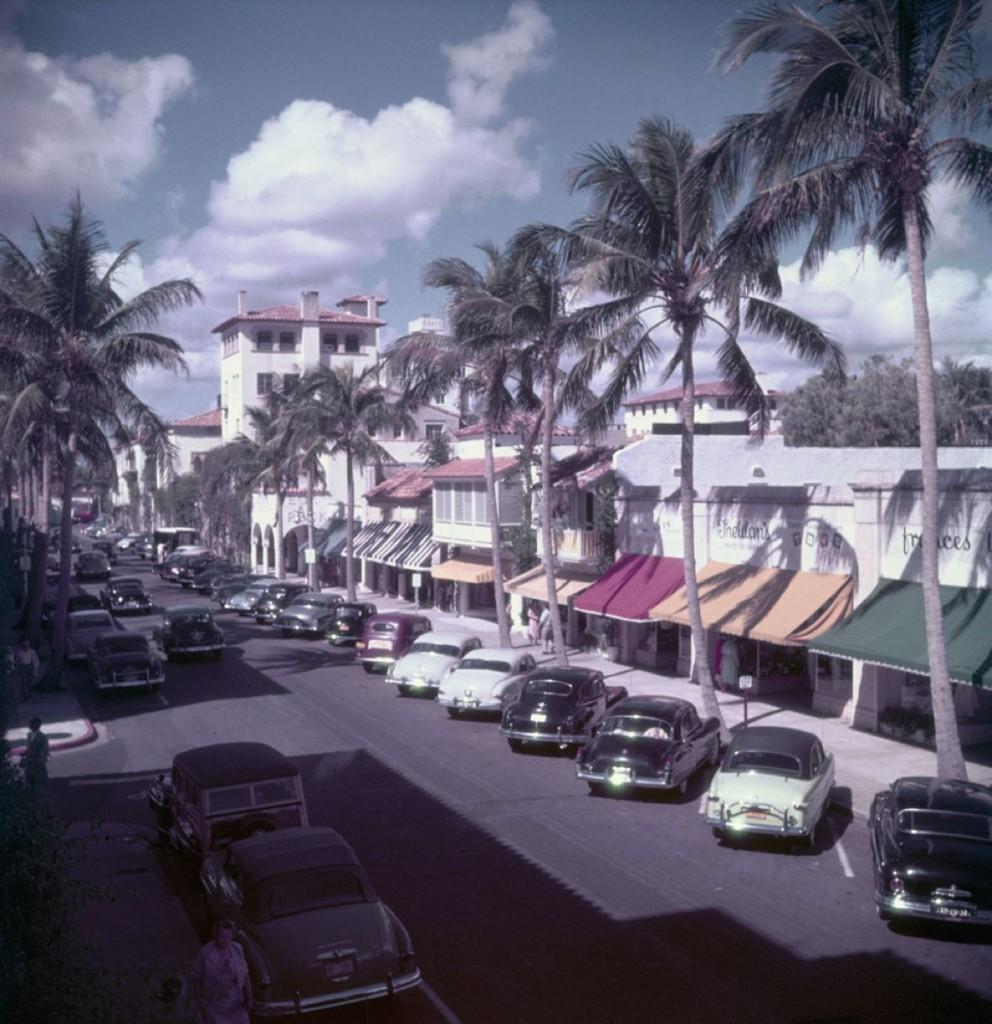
[{"x": 574, "y": 545}]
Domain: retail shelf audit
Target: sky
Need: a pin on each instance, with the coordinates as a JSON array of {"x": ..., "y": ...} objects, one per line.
[{"x": 278, "y": 146}]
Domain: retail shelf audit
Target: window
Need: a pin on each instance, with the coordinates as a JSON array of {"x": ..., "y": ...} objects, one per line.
[
  {"x": 511, "y": 501},
  {"x": 289, "y": 379},
  {"x": 442, "y": 503},
  {"x": 329, "y": 343},
  {"x": 287, "y": 342},
  {"x": 433, "y": 430},
  {"x": 721, "y": 403},
  {"x": 264, "y": 383},
  {"x": 481, "y": 505},
  {"x": 463, "y": 503},
  {"x": 230, "y": 344},
  {"x": 197, "y": 463},
  {"x": 353, "y": 343},
  {"x": 263, "y": 341}
]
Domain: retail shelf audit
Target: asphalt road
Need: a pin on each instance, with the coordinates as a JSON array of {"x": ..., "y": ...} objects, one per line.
[{"x": 528, "y": 899}]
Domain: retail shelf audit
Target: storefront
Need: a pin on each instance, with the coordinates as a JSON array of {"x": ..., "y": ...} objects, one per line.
[
  {"x": 569, "y": 582},
  {"x": 464, "y": 583}
]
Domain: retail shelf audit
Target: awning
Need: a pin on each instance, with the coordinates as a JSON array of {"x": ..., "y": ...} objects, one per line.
[
  {"x": 465, "y": 569},
  {"x": 532, "y": 584},
  {"x": 779, "y": 606},
  {"x": 888, "y": 628},
  {"x": 334, "y": 539},
  {"x": 632, "y": 586},
  {"x": 410, "y": 548},
  {"x": 370, "y": 536}
]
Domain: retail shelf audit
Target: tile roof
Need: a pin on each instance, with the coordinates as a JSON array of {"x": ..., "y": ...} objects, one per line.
[
  {"x": 203, "y": 419},
  {"x": 705, "y": 389},
  {"x": 291, "y": 314},
  {"x": 470, "y": 469},
  {"x": 407, "y": 485},
  {"x": 585, "y": 465},
  {"x": 516, "y": 424}
]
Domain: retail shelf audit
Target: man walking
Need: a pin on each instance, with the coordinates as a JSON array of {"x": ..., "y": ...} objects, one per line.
[
  {"x": 34, "y": 760},
  {"x": 27, "y": 667}
]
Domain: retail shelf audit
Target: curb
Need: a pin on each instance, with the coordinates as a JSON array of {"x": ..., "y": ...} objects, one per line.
[{"x": 88, "y": 736}]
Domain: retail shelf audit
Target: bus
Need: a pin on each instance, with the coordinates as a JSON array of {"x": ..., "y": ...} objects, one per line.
[{"x": 166, "y": 539}]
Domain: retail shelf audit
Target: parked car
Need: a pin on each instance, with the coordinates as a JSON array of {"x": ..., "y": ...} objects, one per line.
[
  {"x": 560, "y": 706},
  {"x": 314, "y": 932},
  {"x": 388, "y": 636},
  {"x": 307, "y": 613},
  {"x": 79, "y": 601},
  {"x": 214, "y": 572},
  {"x": 92, "y": 565},
  {"x": 346, "y": 625},
  {"x": 145, "y": 548},
  {"x": 125, "y": 594},
  {"x": 649, "y": 742},
  {"x": 129, "y": 540},
  {"x": 189, "y": 629},
  {"x": 772, "y": 781},
  {"x": 82, "y": 629},
  {"x": 123, "y": 661},
  {"x": 226, "y": 791},
  {"x": 429, "y": 658},
  {"x": 108, "y": 547},
  {"x": 174, "y": 559},
  {"x": 931, "y": 849},
  {"x": 484, "y": 679},
  {"x": 275, "y": 598},
  {"x": 244, "y": 601}
]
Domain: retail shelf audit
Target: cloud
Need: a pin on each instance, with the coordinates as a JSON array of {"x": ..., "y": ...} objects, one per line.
[{"x": 92, "y": 123}]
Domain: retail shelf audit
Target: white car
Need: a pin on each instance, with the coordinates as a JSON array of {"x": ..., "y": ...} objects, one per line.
[
  {"x": 244, "y": 600},
  {"x": 431, "y": 655},
  {"x": 483, "y": 679},
  {"x": 126, "y": 543},
  {"x": 82, "y": 629}
]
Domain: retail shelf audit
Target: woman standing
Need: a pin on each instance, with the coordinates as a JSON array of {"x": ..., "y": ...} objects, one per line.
[{"x": 220, "y": 979}]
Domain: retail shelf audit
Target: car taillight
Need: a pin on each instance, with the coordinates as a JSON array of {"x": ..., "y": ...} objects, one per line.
[{"x": 896, "y": 885}]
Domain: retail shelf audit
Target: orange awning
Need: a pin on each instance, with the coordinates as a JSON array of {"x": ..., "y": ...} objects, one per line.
[
  {"x": 532, "y": 584},
  {"x": 779, "y": 606},
  {"x": 466, "y": 569}
]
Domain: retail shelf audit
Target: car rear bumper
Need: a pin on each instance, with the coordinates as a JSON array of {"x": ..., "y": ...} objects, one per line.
[
  {"x": 559, "y": 737},
  {"x": 620, "y": 780},
  {"x": 128, "y": 684},
  {"x": 953, "y": 911},
  {"x": 479, "y": 704},
  {"x": 328, "y": 1000},
  {"x": 193, "y": 649},
  {"x": 738, "y": 824}
]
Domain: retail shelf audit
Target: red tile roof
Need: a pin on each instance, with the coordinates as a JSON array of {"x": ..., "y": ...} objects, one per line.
[
  {"x": 204, "y": 419},
  {"x": 470, "y": 469},
  {"x": 291, "y": 314},
  {"x": 705, "y": 389},
  {"x": 516, "y": 424},
  {"x": 407, "y": 485}
]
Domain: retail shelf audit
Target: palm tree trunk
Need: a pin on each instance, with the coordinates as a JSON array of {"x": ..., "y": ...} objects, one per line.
[
  {"x": 65, "y": 547},
  {"x": 950, "y": 758},
  {"x": 547, "y": 496},
  {"x": 311, "y": 566},
  {"x": 277, "y": 530},
  {"x": 40, "y": 564},
  {"x": 349, "y": 527},
  {"x": 700, "y": 671},
  {"x": 494, "y": 538}
]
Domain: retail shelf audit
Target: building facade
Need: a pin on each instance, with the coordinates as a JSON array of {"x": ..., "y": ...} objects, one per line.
[{"x": 717, "y": 411}]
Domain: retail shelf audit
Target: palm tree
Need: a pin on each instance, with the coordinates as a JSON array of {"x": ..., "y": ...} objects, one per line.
[
  {"x": 65, "y": 320},
  {"x": 854, "y": 134},
  {"x": 650, "y": 241},
  {"x": 341, "y": 413}
]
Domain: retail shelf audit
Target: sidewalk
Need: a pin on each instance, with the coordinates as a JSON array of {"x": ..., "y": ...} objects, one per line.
[{"x": 62, "y": 721}]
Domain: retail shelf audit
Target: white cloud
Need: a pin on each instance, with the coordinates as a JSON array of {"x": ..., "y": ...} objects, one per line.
[
  {"x": 92, "y": 123},
  {"x": 952, "y": 214}
]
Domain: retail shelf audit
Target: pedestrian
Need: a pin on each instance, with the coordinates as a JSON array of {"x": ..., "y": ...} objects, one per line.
[
  {"x": 28, "y": 667},
  {"x": 730, "y": 663},
  {"x": 220, "y": 978},
  {"x": 533, "y": 624},
  {"x": 34, "y": 760},
  {"x": 547, "y": 636}
]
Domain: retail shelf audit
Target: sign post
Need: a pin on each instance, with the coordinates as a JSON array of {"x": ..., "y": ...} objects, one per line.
[
  {"x": 417, "y": 580},
  {"x": 745, "y": 683}
]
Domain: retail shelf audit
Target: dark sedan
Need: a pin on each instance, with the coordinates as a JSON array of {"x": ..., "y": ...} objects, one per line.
[
  {"x": 92, "y": 565},
  {"x": 346, "y": 626},
  {"x": 234, "y": 585},
  {"x": 313, "y": 930},
  {"x": 189, "y": 629},
  {"x": 214, "y": 574},
  {"x": 124, "y": 661},
  {"x": 267, "y": 608},
  {"x": 126, "y": 594},
  {"x": 561, "y": 706},
  {"x": 931, "y": 847},
  {"x": 651, "y": 742}
]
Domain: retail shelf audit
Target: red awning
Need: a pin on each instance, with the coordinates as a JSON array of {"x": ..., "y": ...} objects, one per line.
[{"x": 632, "y": 586}]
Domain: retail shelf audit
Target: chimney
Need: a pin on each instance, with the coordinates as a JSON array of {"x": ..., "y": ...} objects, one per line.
[
  {"x": 242, "y": 302},
  {"x": 219, "y": 406},
  {"x": 310, "y": 305}
]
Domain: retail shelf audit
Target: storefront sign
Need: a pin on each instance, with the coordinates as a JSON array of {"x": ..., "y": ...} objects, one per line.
[{"x": 417, "y": 578}]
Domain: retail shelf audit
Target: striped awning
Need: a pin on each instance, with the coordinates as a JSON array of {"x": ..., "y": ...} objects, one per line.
[
  {"x": 334, "y": 539},
  {"x": 370, "y": 536},
  {"x": 411, "y": 547}
]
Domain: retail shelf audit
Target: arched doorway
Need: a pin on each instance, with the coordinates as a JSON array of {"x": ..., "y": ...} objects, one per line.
[
  {"x": 270, "y": 549},
  {"x": 256, "y": 536},
  {"x": 291, "y": 551}
]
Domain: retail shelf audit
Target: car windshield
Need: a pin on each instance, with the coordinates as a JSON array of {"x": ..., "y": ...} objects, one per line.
[
  {"x": 326, "y": 887},
  {"x": 131, "y": 586},
  {"x": 428, "y": 647},
  {"x": 190, "y": 618},
  {"x": 548, "y": 688},
  {"x": 348, "y": 611},
  {"x": 638, "y": 725},
  {"x": 947, "y": 823},
  {"x": 311, "y": 602},
  {"x": 124, "y": 644},
  {"x": 92, "y": 558},
  {"x": 485, "y": 665},
  {"x": 763, "y": 761},
  {"x": 97, "y": 620}
]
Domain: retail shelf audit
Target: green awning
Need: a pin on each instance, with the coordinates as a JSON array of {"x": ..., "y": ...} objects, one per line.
[{"x": 887, "y": 628}]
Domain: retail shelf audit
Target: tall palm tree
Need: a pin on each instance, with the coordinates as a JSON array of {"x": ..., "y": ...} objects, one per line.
[
  {"x": 854, "y": 133},
  {"x": 650, "y": 241},
  {"x": 67, "y": 321},
  {"x": 348, "y": 411}
]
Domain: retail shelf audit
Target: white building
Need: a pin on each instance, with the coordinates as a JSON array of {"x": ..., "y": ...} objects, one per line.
[{"x": 717, "y": 411}]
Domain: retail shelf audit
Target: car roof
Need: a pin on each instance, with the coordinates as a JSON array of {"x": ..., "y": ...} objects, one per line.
[
  {"x": 395, "y": 617},
  {"x": 773, "y": 739},
  {"x": 445, "y": 637},
  {"x": 229, "y": 764},
  {"x": 289, "y": 850},
  {"x": 89, "y": 613},
  {"x": 575, "y": 676},
  {"x": 665, "y": 708},
  {"x": 311, "y": 594},
  {"x": 118, "y": 580},
  {"x": 933, "y": 794},
  {"x": 510, "y": 654},
  {"x": 186, "y": 609}
]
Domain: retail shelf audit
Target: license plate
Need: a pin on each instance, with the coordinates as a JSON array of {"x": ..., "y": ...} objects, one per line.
[
  {"x": 418, "y": 681},
  {"x": 756, "y": 815},
  {"x": 957, "y": 913},
  {"x": 339, "y": 970},
  {"x": 620, "y": 774},
  {"x": 538, "y": 716},
  {"x": 379, "y": 645}
]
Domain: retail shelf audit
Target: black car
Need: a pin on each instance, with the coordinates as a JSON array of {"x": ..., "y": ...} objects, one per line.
[
  {"x": 272, "y": 602},
  {"x": 92, "y": 565},
  {"x": 651, "y": 742},
  {"x": 347, "y": 624},
  {"x": 79, "y": 601},
  {"x": 189, "y": 629},
  {"x": 182, "y": 567},
  {"x": 190, "y": 568},
  {"x": 123, "y": 661},
  {"x": 222, "y": 593},
  {"x": 561, "y": 706},
  {"x": 214, "y": 573},
  {"x": 931, "y": 847},
  {"x": 109, "y": 548},
  {"x": 125, "y": 594}
]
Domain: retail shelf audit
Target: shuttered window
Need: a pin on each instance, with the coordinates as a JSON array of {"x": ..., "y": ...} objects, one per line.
[
  {"x": 463, "y": 503},
  {"x": 442, "y": 503}
]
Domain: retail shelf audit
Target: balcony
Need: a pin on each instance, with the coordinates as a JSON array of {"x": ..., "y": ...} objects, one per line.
[{"x": 574, "y": 545}]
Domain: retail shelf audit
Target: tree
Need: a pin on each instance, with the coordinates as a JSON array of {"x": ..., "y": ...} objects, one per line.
[
  {"x": 180, "y": 501},
  {"x": 964, "y": 404},
  {"x": 64, "y": 320},
  {"x": 437, "y": 449},
  {"x": 853, "y": 134}
]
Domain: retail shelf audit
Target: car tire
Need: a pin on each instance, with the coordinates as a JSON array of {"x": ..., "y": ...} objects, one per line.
[
  {"x": 217, "y": 655},
  {"x": 454, "y": 713},
  {"x": 368, "y": 668},
  {"x": 596, "y": 789},
  {"x": 287, "y": 633},
  {"x": 719, "y": 834},
  {"x": 714, "y": 760},
  {"x": 683, "y": 787},
  {"x": 255, "y": 830},
  {"x": 516, "y": 746},
  {"x": 403, "y": 690}
]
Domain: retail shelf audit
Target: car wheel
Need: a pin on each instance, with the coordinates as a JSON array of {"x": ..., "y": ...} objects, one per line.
[
  {"x": 404, "y": 690},
  {"x": 287, "y": 632},
  {"x": 714, "y": 760},
  {"x": 597, "y": 789},
  {"x": 454, "y": 713},
  {"x": 683, "y": 787},
  {"x": 218, "y": 655},
  {"x": 719, "y": 834},
  {"x": 368, "y": 668},
  {"x": 516, "y": 746}
]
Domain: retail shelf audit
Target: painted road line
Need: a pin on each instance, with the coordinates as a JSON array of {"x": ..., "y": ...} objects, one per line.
[
  {"x": 439, "y": 1004},
  {"x": 109, "y": 780},
  {"x": 845, "y": 861}
]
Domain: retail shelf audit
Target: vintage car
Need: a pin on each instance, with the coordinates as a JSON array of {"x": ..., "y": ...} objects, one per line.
[
  {"x": 108, "y": 547},
  {"x": 168, "y": 568},
  {"x": 125, "y": 594},
  {"x": 484, "y": 679},
  {"x": 79, "y": 601},
  {"x": 92, "y": 565},
  {"x": 308, "y": 613},
  {"x": 189, "y": 629},
  {"x": 123, "y": 661},
  {"x": 649, "y": 742},
  {"x": 387, "y": 637},
  {"x": 314, "y": 932},
  {"x": 82, "y": 629},
  {"x": 561, "y": 706},
  {"x": 225, "y": 589},
  {"x": 275, "y": 598},
  {"x": 129, "y": 540},
  {"x": 931, "y": 848},
  {"x": 772, "y": 781},
  {"x": 346, "y": 625},
  {"x": 429, "y": 657},
  {"x": 244, "y": 601},
  {"x": 226, "y": 791},
  {"x": 214, "y": 573}
]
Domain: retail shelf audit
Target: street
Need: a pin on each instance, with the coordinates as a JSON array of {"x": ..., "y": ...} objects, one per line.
[{"x": 528, "y": 899}]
